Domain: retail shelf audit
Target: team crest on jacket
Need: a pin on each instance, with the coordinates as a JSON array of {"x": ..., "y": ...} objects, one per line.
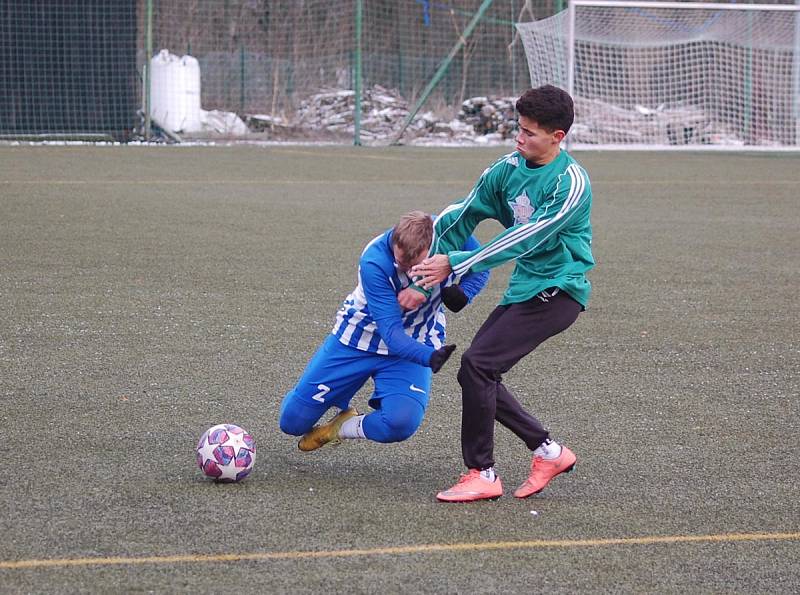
[{"x": 522, "y": 208}]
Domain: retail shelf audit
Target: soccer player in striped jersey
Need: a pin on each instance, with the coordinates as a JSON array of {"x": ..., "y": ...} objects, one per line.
[
  {"x": 542, "y": 196},
  {"x": 376, "y": 336}
]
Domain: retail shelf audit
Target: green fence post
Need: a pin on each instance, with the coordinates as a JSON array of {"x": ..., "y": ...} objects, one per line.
[
  {"x": 241, "y": 78},
  {"x": 148, "y": 55},
  {"x": 400, "y": 85},
  {"x": 357, "y": 75}
]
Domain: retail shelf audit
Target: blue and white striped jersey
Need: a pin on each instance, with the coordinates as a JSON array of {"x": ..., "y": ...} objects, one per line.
[{"x": 371, "y": 319}]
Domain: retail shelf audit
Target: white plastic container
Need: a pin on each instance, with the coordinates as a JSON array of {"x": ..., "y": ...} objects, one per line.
[{"x": 175, "y": 92}]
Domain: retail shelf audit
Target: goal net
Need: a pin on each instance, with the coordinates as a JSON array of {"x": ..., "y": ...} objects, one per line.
[{"x": 673, "y": 75}]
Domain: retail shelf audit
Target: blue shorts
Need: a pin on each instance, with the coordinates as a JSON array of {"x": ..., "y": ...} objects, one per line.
[{"x": 336, "y": 373}]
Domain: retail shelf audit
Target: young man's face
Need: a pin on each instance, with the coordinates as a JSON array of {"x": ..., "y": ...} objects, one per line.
[
  {"x": 404, "y": 262},
  {"x": 537, "y": 144}
]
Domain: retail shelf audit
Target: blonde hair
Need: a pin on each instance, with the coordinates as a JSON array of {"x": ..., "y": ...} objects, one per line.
[{"x": 413, "y": 233}]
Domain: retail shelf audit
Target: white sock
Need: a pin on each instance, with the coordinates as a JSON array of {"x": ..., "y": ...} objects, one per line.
[
  {"x": 489, "y": 474},
  {"x": 352, "y": 428},
  {"x": 549, "y": 449}
]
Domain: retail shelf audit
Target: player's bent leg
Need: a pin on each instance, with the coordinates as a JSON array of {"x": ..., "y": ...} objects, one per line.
[
  {"x": 396, "y": 418},
  {"x": 401, "y": 395},
  {"x": 298, "y": 417},
  {"x": 331, "y": 378}
]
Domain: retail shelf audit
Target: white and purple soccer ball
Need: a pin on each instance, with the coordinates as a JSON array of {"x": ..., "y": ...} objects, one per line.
[{"x": 226, "y": 453}]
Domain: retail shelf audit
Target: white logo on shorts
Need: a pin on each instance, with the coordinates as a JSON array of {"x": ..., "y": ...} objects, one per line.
[{"x": 416, "y": 389}]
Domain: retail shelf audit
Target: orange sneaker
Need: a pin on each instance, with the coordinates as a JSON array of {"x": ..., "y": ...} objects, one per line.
[
  {"x": 321, "y": 435},
  {"x": 543, "y": 470},
  {"x": 472, "y": 486}
]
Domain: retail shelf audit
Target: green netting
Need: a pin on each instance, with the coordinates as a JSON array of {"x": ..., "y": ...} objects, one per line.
[
  {"x": 261, "y": 69},
  {"x": 266, "y": 56},
  {"x": 261, "y": 57},
  {"x": 68, "y": 69}
]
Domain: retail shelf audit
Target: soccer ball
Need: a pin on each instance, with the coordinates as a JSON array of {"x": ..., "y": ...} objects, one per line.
[{"x": 226, "y": 453}]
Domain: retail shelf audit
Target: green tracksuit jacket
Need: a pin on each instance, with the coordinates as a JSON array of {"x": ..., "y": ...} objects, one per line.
[{"x": 545, "y": 211}]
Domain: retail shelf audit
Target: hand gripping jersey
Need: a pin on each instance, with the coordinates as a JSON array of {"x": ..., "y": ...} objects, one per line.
[
  {"x": 545, "y": 211},
  {"x": 371, "y": 319}
]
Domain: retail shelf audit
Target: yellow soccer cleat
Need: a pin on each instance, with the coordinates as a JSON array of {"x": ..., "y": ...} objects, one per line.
[{"x": 321, "y": 435}]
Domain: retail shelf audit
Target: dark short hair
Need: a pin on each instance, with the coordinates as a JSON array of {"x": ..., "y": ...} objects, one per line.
[{"x": 548, "y": 106}]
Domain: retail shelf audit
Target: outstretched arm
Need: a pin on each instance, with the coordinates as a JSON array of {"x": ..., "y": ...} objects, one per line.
[
  {"x": 386, "y": 313},
  {"x": 455, "y": 224},
  {"x": 568, "y": 201}
]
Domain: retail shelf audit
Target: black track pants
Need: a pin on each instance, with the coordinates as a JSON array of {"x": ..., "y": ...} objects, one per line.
[{"x": 509, "y": 334}]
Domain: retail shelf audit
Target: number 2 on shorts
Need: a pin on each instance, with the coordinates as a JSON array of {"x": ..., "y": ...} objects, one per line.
[{"x": 323, "y": 390}]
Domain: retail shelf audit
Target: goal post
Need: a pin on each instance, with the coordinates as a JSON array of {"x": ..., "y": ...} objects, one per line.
[{"x": 673, "y": 75}]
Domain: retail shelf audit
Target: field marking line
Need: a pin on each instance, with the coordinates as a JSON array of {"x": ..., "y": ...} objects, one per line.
[{"x": 409, "y": 549}]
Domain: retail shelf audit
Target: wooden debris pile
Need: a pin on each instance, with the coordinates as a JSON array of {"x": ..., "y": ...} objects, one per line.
[
  {"x": 330, "y": 113},
  {"x": 495, "y": 116},
  {"x": 382, "y": 112}
]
